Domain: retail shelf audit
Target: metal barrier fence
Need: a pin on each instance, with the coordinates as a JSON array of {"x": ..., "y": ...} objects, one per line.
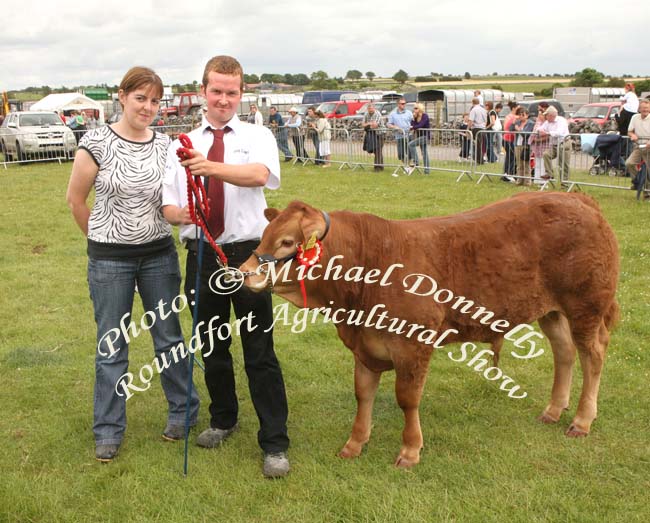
[
  {"x": 578, "y": 160},
  {"x": 571, "y": 162}
]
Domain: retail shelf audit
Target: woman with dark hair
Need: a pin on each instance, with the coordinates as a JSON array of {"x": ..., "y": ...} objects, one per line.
[
  {"x": 629, "y": 107},
  {"x": 130, "y": 243}
]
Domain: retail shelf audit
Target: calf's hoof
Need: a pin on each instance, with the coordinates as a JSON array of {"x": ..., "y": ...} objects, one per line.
[
  {"x": 552, "y": 414},
  {"x": 404, "y": 463},
  {"x": 406, "y": 460},
  {"x": 547, "y": 419},
  {"x": 574, "y": 432},
  {"x": 351, "y": 450}
]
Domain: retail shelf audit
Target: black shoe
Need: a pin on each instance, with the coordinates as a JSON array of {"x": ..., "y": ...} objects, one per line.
[
  {"x": 106, "y": 453},
  {"x": 288, "y": 158}
]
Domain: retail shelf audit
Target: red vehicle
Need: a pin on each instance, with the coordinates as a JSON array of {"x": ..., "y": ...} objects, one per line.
[
  {"x": 601, "y": 112},
  {"x": 341, "y": 108},
  {"x": 184, "y": 104}
]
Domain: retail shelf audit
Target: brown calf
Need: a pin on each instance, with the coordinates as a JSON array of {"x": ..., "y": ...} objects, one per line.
[{"x": 549, "y": 257}]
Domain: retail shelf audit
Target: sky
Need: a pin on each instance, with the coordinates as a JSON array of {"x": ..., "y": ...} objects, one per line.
[{"x": 89, "y": 42}]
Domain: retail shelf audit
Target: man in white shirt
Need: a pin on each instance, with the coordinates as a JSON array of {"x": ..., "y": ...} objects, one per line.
[
  {"x": 555, "y": 130},
  {"x": 639, "y": 133},
  {"x": 250, "y": 163},
  {"x": 478, "y": 118}
]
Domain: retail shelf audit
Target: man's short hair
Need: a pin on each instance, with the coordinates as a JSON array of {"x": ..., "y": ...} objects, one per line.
[
  {"x": 223, "y": 64},
  {"x": 550, "y": 110}
]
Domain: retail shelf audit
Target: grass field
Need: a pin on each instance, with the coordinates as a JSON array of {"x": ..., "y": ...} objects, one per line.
[{"x": 486, "y": 458}]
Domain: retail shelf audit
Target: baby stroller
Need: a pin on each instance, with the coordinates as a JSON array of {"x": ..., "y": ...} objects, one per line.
[{"x": 608, "y": 157}]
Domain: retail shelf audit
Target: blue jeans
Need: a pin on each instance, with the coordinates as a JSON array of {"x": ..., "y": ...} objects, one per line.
[
  {"x": 283, "y": 145},
  {"x": 402, "y": 147},
  {"x": 413, "y": 152},
  {"x": 112, "y": 288},
  {"x": 489, "y": 147}
]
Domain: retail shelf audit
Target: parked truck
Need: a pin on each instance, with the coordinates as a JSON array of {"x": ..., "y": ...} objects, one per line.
[
  {"x": 184, "y": 104},
  {"x": 573, "y": 98}
]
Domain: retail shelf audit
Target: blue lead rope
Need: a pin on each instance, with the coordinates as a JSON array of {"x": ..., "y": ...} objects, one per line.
[{"x": 190, "y": 382}]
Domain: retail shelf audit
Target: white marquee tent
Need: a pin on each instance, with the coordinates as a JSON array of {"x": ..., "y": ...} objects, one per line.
[{"x": 67, "y": 102}]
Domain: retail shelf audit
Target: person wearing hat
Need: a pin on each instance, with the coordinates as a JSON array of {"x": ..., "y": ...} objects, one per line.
[
  {"x": 295, "y": 132},
  {"x": 555, "y": 129}
]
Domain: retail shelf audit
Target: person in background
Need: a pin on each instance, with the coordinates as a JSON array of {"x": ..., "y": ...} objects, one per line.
[
  {"x": 254, "y": 116},
  {"x": 129, "y": 243},
  {"x": 477, "y": 94},
  {"x": 639, "y": 133},
  {"x": 477, "y": 123},
  {"x": 509, "y": 164},
  {"x": 238, "y": 161},
  {"x": 324, "y": 137},
  {"x": 538, "y": 144},
  {"x": 294, "y": 123},
  {"x": 312, "y": 132},
  {"x": 489, "y": 136},
  {"x": 373, "y": 124},
  {"x": 421, "y": 133},
  {"x": 497, "y": 126},
  {"x": 629, "y": 107},
  {"x": 523, "y": 127},
  {"x": 276, "y": 123},
  {"x": 465, "y": 139},
  {"x": 556, "y": 130},
  {"x": 91, "y": 122},
  {"x": 400, "y": 120}
]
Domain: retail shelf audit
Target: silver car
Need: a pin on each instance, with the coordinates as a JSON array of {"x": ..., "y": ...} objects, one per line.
[{"x": 30, "y": 134}]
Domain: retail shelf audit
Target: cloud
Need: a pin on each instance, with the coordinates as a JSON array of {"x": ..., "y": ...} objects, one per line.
[{"x": 85, "y": 43}]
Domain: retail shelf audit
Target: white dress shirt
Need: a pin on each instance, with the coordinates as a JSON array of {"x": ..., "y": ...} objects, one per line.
[
  {"x": 558, "y": 130},
  {"x": 243, "y": 206}
]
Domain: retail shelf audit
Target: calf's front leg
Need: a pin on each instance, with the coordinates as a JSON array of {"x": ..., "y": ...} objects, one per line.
[{"x": 365, "y": 388}]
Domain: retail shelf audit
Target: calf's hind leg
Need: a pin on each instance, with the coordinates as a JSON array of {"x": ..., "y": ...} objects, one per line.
[
  {"x": 556, "y": 327},
  {"x": 592, "y": 345},
  {"x": 409, "y": 382},
  {"x": 365, "y": 388}
]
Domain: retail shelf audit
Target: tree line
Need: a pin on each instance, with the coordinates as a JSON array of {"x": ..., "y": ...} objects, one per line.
[{"x": 588, "y": 77}]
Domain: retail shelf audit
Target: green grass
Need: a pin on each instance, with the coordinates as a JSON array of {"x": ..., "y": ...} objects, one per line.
[{"x": 485, "y": 457}]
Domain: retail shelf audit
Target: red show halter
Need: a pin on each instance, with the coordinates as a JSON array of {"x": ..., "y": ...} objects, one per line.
[{"x": 197, "y": 200}]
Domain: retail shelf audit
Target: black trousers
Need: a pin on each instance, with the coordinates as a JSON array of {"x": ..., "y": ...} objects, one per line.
[
  {"x": 624, "y": 118},
  {"x": 265, "y": 381},
  {"x": 479, "y": 138}
]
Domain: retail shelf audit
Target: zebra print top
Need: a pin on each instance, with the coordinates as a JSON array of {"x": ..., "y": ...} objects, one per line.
[{"x": 128, "y": 188}]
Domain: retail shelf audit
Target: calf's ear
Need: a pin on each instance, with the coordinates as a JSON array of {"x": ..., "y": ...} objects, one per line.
[
  {"x": 312, "y": 222},
  {"x": 271, "y": 213}
]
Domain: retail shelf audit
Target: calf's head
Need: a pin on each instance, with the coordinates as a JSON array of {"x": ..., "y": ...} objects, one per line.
[{"x": 285, "y": 232}]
